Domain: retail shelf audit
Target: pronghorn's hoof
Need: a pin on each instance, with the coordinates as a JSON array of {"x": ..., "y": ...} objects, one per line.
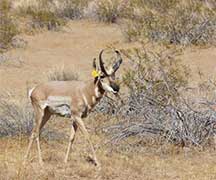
[
  {"x": 97, "y": 164},
  {"x": 93, "y": 161},
  {"x": 65, "y": 161}
]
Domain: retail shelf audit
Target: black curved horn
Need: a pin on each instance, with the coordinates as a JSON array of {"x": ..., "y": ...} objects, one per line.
[
  {"x": 118, "y": 63},
  {"x": 94, "y": 63},
  {"x": 102, "y": 64}
]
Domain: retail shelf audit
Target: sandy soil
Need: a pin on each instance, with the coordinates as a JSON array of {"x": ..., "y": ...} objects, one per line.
[{"x": 203, "y": 60}]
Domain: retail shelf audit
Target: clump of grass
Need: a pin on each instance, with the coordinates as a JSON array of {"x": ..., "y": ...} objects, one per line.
[
  {"x": 8, "y": 28},
  {"x": 61, "y": 74}
]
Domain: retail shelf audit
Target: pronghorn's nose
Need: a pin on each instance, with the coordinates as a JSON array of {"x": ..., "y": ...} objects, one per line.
[{"x": 115, "y": 87}]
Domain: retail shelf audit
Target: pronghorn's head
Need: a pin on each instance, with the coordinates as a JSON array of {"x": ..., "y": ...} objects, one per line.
[{"x": 106, "y": 78}]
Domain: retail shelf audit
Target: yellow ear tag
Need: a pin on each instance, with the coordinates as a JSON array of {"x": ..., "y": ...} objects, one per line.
[{"x": 95, "y": 73}]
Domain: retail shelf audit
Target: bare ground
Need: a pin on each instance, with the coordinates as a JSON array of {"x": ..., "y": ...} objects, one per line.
[{"x": 75, "y": 47}]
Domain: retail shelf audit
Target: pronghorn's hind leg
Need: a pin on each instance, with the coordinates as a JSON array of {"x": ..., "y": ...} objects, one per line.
[
  {"x": 46, "y": 117},
  {"x": 41, "y": 117},
  {"x": 71, "y": 140}
]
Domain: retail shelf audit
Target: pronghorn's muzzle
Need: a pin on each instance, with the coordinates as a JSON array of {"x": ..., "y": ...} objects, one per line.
[{"x": 115, "y": 87}]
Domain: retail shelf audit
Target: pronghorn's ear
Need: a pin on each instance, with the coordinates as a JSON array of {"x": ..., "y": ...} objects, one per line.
[{"x": 94, "y": 64}]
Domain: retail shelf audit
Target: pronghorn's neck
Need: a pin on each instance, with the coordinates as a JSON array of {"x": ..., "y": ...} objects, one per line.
[{"x": 92, "y": 93}]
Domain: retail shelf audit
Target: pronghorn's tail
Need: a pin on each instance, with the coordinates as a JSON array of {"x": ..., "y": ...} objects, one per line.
[{"x": 30, "y": 92}]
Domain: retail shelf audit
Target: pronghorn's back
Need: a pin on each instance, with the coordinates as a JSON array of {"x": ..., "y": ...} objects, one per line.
[{"x": 82, "y": 95}]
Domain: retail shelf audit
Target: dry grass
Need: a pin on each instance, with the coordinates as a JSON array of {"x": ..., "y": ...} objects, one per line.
[
  {"x": 155, "y": 162},
  {"x": 193, "y": 165},
  {"x": 62, "y": 74}
]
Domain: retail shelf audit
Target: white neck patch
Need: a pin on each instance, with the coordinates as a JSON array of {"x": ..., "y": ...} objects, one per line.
[
  {"x": 97, "y": 93},
  {"x": 107, "y": 88}
]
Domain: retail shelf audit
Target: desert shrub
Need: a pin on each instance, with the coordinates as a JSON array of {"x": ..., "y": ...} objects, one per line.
[
  {"x": 43, "y": 18},
  {"x": 72, "y": 9},
  {"x": 52, "y": 14},
  {"x": 15, "y": 117},
  {"x": 107, "y": 11},
  {"x": 61, "y": 74},
  {"x": 8, "y": 28},
  {"x": 158, "y": 104},
  {"x": 41, "y": 14},
  {"x": 171, "y": 21}
]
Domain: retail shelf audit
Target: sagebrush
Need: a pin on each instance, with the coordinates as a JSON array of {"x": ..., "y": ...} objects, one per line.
[
  {"x": 171, "y": 22},
  {"x": 158, "y": 105}
]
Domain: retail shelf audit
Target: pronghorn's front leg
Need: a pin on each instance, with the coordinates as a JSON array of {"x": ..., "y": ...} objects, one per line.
[
  {"x": 83, "y": 129},
  {"x": 71, "y": 140}
]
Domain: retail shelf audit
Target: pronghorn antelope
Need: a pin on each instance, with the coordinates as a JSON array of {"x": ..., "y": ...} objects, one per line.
[{"x": 74, "y": 99}]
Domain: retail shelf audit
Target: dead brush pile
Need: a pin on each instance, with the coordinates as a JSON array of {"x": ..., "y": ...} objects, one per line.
[{"x": 160, "y": 105}]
